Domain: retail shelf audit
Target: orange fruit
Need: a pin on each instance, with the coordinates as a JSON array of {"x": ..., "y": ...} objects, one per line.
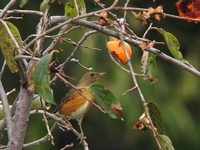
[{"x": 117, "y": 51}]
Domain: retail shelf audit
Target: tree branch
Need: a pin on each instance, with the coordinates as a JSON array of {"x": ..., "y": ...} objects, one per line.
[
  {"x": 137, "y": 42},
  {"x": 86, "y": 35},
  {"x": 6, "y": 110},
  {"x": 146, "y": 109},
  {"x": 17, "y": 11},
  {"x": 60, "y": 120},
  {"x": 20, "y": 119},
  {"x": 12, "y": 2},
  {"x": 67, "y": 21},
  {"x": 41, "y": 140}
]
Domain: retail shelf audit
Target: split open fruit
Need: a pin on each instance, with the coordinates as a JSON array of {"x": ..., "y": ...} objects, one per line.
[{"x": 117, "y": 51}]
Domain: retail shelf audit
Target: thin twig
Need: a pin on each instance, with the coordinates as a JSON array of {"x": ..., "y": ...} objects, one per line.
[
  {"x": 65, "y": 124},
  {"x": 114, "y": 3},
  {"x": 17, "y": 11},
  {"x": 129, "y": 90},
  {"x": 138, "y": 89},
  {"x": 48, "y": 130},
  {"x": 67, "y": 40},
  {"x": 82, "y": 66},
  {"x": 76, "y": 5},
  {"x": 18, "y": 57},
  {"x": 2, "y": 69},
  {"x": 165, "y": 14},
  {"x": 11, "y": 18},
  {"x": 68, "y": 21},
  {"x": 6, "y": 110},
  {"x": 67, "y": 146},
  {"x": 125, "y": 5},
  {"x": 174, "y": 61},
  {"x": 10, "y": 92},
  {"x": 86, "y": 35},
  {"x": 3, "y": 12},
  {"x": 36, "y": 142},
  {"x": 147, "y": 30},
  {"x": 59, "y": 34},
  {"x": 57, "y": 40},
  {"x": 41, "y": 140}
]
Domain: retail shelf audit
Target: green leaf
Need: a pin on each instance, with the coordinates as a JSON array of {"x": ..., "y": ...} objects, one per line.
[
  {"x": 106, "y": 100},
  {"x": 149, "y": 66},
  {"x": 38, "y": 103},
  {"x": 41, "y": 79},
  {"x": 74, "y": 8},
  {"x": 165, "y": 142},
  {"x": 155, "y": 115},
  {"x": 22, "y": 3},
  {"x": 172, "y": 43},
  {"x": 8, "y": 47}
]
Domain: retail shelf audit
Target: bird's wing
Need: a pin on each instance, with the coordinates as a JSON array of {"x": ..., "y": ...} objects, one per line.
[{"x": 67, "y": 97}]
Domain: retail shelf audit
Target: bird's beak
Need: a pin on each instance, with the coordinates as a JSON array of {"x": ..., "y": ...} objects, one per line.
[{"x": 100, "y": 74}]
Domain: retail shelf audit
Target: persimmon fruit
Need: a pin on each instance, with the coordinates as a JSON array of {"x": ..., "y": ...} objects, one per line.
[{"x": 117, "y": 51}]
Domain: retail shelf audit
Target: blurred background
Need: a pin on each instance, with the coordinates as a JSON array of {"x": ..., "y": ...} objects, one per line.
[{"x": 176, "y": 93}]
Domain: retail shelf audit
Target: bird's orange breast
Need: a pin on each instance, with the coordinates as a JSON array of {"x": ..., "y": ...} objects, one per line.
[{"x": 77, "y": 106}]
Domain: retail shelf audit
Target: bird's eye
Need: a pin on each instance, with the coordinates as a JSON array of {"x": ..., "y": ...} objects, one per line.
[{"x": 92, "y": 74}]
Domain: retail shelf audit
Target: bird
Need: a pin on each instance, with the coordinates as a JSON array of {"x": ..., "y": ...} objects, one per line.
[{"x": 77, "y": 102}]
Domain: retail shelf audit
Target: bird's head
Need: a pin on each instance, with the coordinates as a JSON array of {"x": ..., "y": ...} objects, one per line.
[{"x": 90, "y": 77}]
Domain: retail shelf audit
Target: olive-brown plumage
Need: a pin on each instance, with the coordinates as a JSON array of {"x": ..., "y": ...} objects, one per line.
[{"x": 77, "y": 102}]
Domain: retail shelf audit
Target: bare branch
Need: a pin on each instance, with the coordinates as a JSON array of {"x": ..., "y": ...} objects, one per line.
[
  {"x": 42, "y": 27},
  {"x": 86, "y": 35},
  {"x": 125, "y": 5},
  {"x": 2, "y": 69},
  {"x": 137, "y": 43},
  {"x": 11, "y": 17},
  {"x": 6, "y": 110},
  {"x": 67, "y": 146},
  {"x": 20, "y": 118},
  {"x": 165, "y": 14},
  {"x": 129, "y": 90},
  {"x": 36, "y": 142},
  {"x": 10, "y": 92},
  {"x": 137, "y": 87},
  {"x": 50, "y": 136},
  {"x": 3, "y": 12},
  {"x": 149, "y": 28},
  {"x": 56, "y": 41},
  {"x": 67, "y": 40},
  {"x": 41, "y": 140},
  {"x": 82, "y": 66},
  {"x": 67, "y": 21},
  {"x": 64, "y": 124},
  {"x": 17, "y": 11},
  {"x": 18, "y": 57}
]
